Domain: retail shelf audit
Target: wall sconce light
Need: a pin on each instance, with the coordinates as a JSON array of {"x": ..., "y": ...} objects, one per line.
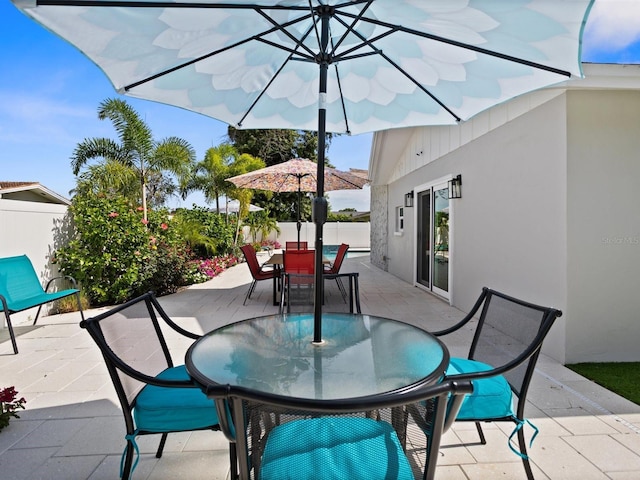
[
  {"x": 408, "y": 199},
  {"x": 455, "y": 187}
]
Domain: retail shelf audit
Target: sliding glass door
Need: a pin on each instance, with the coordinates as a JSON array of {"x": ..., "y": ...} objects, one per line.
[{"x": 432, "y": 238}]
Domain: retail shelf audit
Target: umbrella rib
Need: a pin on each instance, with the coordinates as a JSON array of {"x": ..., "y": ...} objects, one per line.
[
  {"x": 298, "y": 42},
  {"x": 272, "y": 79},
  {"x": 398, "y": 67},
  {"x": 466, "y": 46},
  {"x": 156, "y": 4},
  {"x": 350, "y": 28},
  {"x": 257, "y": 37}
]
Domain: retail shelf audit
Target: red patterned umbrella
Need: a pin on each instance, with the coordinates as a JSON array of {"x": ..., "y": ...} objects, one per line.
[{"x": 298, "y": 175}]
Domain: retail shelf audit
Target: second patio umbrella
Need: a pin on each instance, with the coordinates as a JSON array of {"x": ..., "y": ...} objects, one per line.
[{"x": 298, "y": 175}]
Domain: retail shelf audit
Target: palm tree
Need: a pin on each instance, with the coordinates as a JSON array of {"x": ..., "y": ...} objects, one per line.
[
  {"x": 137, "y": 149},
  {"x": 221, "y": 162}
]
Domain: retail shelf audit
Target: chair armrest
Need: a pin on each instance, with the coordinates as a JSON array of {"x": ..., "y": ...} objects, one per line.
[
  {"x": 71, "y": 280},
  {"x": 466, "y": 319}
]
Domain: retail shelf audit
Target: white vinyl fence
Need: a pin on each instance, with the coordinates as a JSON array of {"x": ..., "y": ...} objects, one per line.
[
  {"x": 34, "y": 229},
  {"x": 356, "y": 234}
]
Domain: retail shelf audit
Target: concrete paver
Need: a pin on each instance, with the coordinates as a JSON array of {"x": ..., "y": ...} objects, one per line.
[{"x": 73, "y": 428}]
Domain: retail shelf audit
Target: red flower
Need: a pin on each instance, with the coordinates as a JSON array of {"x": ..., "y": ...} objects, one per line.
[
  {"x": 145, "y": 221},
  {"x": 113, "y": 214},
  {"x": 164, "y": 226}
]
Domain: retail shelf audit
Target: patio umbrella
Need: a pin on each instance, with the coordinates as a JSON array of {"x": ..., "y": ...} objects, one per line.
[
  {"x": 298, "y": 175},
  {"x": 332, "y": 65},
  {"x": 233, "y": 206}
]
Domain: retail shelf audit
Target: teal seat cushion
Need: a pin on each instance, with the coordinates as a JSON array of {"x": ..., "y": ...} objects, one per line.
[
  {"x": 491, "y": 398},
  {"x": 166, "y": 409},
  {"x": 334, "y": 448}
]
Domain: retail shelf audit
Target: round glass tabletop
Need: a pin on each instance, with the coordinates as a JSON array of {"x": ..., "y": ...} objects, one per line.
[{"x": 360, "y": 355}]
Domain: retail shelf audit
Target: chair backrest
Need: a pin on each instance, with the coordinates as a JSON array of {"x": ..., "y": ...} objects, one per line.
[
  {"x": 251, "y": 258},
  {"x": 299, "y": 262},
  {"x": 251, "y": 410},
  {"x": 133, "y": 344},
  {"x": 296, "y": 246},
  {"x": 510, "y": 332},
  {"x": 340, "y": 256},
  {"x": 18, "y": 279}
]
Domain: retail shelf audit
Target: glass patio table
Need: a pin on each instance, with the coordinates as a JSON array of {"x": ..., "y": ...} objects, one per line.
[{"x": 361, "y": 356}]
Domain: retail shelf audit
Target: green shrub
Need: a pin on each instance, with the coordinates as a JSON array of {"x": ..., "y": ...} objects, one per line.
[
  {"x": 113, "y": 254},
  {"x": 207, "y": 233}
]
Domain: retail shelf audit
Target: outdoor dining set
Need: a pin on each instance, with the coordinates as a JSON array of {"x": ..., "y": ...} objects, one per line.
[
  {"x": 371, "y": 400},
  {"x": 323, "y": 395}
]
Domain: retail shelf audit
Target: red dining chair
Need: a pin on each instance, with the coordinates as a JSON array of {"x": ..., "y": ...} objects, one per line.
[
  {"x": 296, "y": 245},
  {"x": 299, "y": 268},
  {"x": 334, "y": 268},
  {"x": 256, "y": 270}
]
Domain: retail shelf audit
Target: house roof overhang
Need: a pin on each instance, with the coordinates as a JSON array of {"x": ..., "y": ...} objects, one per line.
[
  {"x": 387, "y": 144},
  {"x": 8, "y": 189}
]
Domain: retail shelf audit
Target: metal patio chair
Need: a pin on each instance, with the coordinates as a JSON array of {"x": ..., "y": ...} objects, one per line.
[
  {"x": 334, "y": 268},
  {"x": 296, "y": 245},
  {"x": 501, "y": 361},
  {"x": 298, "y": 271},
  {"x": 156, "y": 397},
  {"x": 282, "y": 438},
  {"x": 257, "y": 273}
]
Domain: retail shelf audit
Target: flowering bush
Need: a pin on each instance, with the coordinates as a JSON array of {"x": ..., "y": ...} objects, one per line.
[
  {"x": 116, "y": 255},
  {"x": 203, "y": 270},
  {"x": 9, "y": 405}
]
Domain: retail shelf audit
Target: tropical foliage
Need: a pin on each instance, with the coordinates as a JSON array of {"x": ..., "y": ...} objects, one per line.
[
  {"x": 117, "y": 254},
  {"x": 137, "y": 156}
]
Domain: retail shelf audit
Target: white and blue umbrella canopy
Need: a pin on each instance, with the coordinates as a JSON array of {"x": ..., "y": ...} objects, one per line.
[
  {"x": 392, "y": 63},
  {"x": 343, "y": 66}
]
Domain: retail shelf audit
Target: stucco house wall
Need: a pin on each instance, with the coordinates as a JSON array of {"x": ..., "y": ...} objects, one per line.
[
  {"x": 548, "y": 210},
  {"x": 603, "y": 244}
]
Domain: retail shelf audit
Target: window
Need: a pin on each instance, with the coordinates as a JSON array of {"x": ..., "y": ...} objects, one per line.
[{"x": 399, "y": 219}]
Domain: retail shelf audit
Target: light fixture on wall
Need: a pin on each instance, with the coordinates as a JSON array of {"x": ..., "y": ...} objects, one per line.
[
  {"x": 455, "y": 187},
  {"x": 408, "y": 199}
]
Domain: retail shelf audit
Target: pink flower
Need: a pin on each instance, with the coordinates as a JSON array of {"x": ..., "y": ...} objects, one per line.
[
  {"x": 140, "y": 209},
  {"x": 145, "y": 221},
  {"x": 113, "y": 214},
  {"x": 164, "y": 226}
]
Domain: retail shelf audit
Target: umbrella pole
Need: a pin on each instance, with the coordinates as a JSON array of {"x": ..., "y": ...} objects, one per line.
[
  {"x": 320, "y": 203},
  {"x": 298, "y": 223}
]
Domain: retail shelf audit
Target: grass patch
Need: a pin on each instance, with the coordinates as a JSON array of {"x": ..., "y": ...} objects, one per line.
[{"x": 621, "y": 377}]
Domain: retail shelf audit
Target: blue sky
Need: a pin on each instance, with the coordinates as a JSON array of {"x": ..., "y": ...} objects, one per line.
[{"x": 49, "y": 95}]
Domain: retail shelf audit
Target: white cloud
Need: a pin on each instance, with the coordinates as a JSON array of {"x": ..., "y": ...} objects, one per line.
[{"x": 613, "y": 24}]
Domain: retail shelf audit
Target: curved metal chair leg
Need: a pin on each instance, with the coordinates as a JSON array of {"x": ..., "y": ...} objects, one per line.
[
  {"x": 128, "y": 461},
  {"x": 483, "y": 441},
  {"x": 523, "y": 450},
  {"x": 163, "y": 440}
]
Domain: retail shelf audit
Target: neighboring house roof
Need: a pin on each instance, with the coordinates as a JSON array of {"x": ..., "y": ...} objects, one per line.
[{"x": 30, "y": 191}]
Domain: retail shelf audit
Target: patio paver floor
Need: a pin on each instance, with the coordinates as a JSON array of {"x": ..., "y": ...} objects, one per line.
[{"x": 73, "y": 429}]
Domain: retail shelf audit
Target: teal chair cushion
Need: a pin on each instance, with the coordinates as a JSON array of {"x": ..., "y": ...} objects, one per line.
[
  {"x": 334, "y": 448},
  {"x": 167, "y": 409},
  {"x": 491, "y": 398}
]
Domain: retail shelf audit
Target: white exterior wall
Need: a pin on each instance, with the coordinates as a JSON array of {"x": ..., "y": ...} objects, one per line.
[
  {"x": 509, "y": 227},
  {"x": 604, "y": 226},
  {"x": 35, "y": 229}
]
